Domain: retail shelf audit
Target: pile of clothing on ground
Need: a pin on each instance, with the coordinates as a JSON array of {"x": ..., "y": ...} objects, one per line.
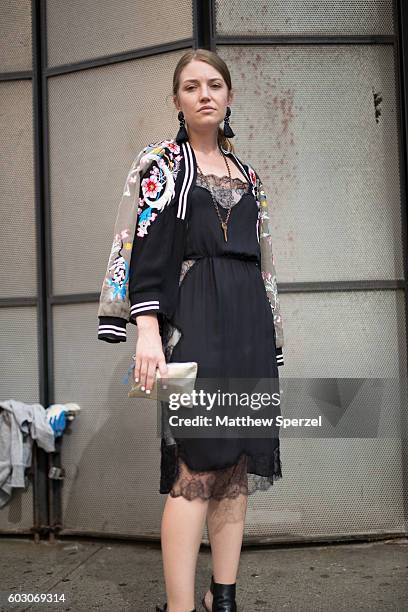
[{"x": 20, "y": 425}]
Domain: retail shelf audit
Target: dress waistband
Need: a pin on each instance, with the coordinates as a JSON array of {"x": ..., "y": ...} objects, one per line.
[{"x": 252, "y": 258}]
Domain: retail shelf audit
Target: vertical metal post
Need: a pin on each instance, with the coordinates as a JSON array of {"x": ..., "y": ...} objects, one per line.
[
  {"x": 401, "y": 55},
  {"x": 40, "y": 458},
  {"x": 204, "y": 24}
]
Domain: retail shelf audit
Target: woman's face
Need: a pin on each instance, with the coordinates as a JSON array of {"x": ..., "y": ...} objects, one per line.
[{"x": 202, "y": 85}]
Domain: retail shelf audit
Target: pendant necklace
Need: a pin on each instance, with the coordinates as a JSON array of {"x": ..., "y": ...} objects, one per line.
[{"x": 224, "y": 224}]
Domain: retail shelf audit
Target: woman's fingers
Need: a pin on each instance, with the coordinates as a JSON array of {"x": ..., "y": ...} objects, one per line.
[
  {"x": 137, "y": 369},
  {"x": 151, "y": 374},
  {"x": 145, "y": 371}
]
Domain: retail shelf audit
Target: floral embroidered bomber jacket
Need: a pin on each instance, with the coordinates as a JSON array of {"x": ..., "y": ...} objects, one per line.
[{"x": 149, "y": 238}]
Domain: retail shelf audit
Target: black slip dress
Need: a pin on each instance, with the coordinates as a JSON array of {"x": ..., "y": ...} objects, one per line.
[{"x": 224, "y": 322}]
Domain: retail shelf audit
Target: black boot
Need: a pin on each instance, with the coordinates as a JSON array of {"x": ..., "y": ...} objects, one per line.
[
  {"x": 212, "y": 591},
  {"x": 224, "y": 598}
]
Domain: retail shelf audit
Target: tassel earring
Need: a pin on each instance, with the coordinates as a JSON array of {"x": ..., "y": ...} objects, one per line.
[
  {"x": 182, "y": 135},
  {"x": 227, "y": 128}
]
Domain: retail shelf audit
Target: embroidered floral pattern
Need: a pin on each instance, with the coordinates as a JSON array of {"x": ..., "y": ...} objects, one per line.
[
  {"x": 118, "y": 267},
  {"x": 168, "y": 150},
  {"x": 116, "y": 279},
  {"x": 157, "y": 189},
  {"x": 144, "y": 220},
  {"x": 268, "y": 260},
  {"x": 130, "y": 180},
  {"x": 252, "y": 176},
  {"x": 151, "y": 186}
]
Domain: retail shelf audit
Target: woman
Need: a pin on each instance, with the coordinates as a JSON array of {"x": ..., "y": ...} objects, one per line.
[{"x": 226, "y": 317}]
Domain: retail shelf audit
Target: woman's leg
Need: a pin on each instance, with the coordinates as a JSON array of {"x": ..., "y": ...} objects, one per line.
[
  {"x": 225, "y": 524},
  {"x": 181, "y": 534}
]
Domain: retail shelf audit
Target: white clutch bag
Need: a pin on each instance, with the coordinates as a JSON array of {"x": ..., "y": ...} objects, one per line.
[{"x": 180, "y": 378}]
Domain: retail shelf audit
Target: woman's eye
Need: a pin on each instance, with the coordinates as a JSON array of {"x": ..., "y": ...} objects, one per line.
[{"x": 217, "y": 85}]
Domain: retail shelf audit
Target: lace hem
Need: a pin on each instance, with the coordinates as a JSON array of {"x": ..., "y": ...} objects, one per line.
[{"x": 250, "y": 473}]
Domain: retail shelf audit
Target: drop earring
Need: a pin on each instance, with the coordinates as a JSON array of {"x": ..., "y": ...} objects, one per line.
[
  {"x": 182, "y": 135},
  {"x": 227, "y": 128}
]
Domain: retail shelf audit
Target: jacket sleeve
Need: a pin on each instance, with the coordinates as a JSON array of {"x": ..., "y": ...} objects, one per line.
[
  {"x": 114, "y": 305},
  {"x": 151, "y": 263},
  {"x": 268, "y": 269}
]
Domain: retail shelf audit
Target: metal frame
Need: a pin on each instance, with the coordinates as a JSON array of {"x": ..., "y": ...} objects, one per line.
[
  {"x": 47, "y": 499},
  {"x": 401, "y": 55}
]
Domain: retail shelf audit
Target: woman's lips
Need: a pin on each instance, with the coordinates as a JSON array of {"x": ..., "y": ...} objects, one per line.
[{"x": 206, "y": 109}]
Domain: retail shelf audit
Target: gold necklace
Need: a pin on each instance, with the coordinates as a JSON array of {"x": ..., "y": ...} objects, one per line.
[{"x": 223, "y": 223}]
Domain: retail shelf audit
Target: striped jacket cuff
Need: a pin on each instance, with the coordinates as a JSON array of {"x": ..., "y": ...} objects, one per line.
[
  {"x": 144, "y": 307},
  {"x": 279, "y": 357},
  {"x": 112, "y": 329}
]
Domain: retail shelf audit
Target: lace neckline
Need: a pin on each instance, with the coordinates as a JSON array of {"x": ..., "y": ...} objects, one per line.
[{"x": 223, "y": 180}]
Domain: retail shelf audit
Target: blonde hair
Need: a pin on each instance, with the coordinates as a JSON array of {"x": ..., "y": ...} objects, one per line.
[{"x": 214, "y": 60}]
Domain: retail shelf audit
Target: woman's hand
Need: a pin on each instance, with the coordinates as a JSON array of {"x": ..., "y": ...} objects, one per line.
[{"x": 149, "y": 352}]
